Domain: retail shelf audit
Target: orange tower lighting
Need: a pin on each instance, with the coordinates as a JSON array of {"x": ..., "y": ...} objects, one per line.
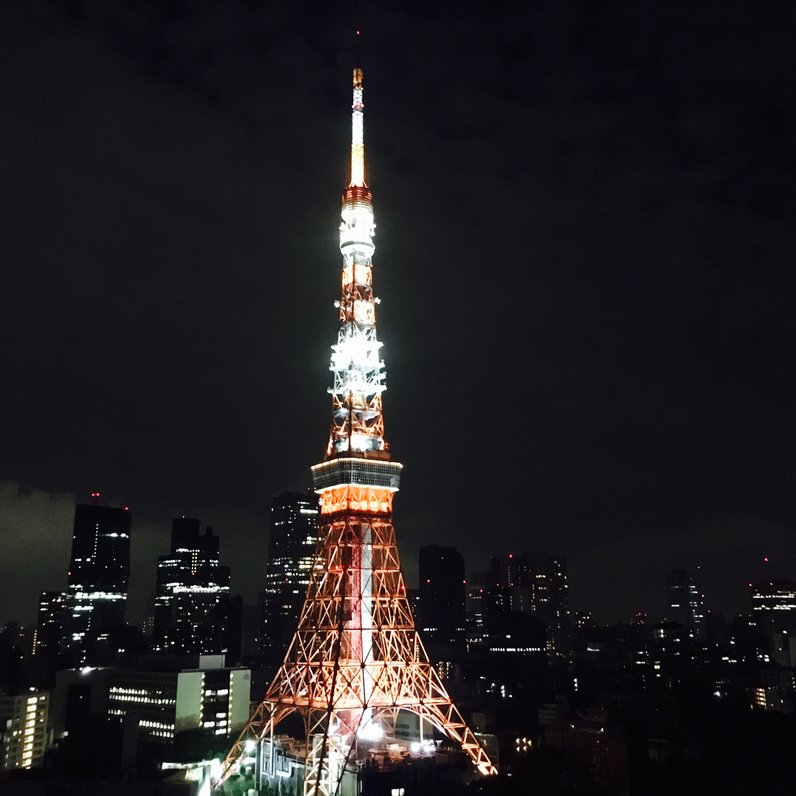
[{"x": 356, "y": 659}]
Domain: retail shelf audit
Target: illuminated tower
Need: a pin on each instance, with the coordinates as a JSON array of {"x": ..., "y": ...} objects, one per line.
[{"x": 356, "y": 659}]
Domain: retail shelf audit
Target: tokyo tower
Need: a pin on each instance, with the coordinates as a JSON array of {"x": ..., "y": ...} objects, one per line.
[{"x": 356, "y": 660}]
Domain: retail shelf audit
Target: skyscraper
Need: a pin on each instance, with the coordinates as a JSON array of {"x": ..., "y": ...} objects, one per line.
[
  {"x": 441, "y": 619},
  {"x": 549, "y": 592},
  {"x": 477, "y": 602},
  {"x": 191, "y": 584},
  {"x": 686, "y": 601},
  {"x": 99, "y": 570},
  {"x": 533, "y": 583},
  {"x": 292, "y": 547},
  {"x": 356, "y": 660},
  {"x": 51, "y": 623},
  {"x": 774, "y": 611},
  {"x": 774, "y": 596}
]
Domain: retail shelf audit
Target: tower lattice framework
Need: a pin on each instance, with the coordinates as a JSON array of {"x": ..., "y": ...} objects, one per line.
[{"x": 356, "y": 659}]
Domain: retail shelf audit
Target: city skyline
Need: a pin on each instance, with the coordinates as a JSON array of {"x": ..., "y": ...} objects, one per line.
[
  {"x": 623, "y": 302},
  {"x": 143, "y": 585}
]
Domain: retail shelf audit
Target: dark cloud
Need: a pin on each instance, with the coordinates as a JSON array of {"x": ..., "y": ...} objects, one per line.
[
  {"x": 583, "y": 250},
  {"x": 36, "y": 534}
]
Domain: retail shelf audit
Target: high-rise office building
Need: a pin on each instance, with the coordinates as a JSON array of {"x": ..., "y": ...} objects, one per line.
[
  {"x": 99, "y": 571},
  {"x": 686, "y": 602},
  {"x": 51, "y": 623},
  {"x": 536, "y": 584},
  {"x": 292, "y": 543},
  {"x": 441, "y": 619},
  {"x": 774, "y": 596},
  {"x": 549, "y": 590},
  {"x": 774, "y": 611},
  {"x": 477, "y": 604},
  {"x": 191, "y": 588}
]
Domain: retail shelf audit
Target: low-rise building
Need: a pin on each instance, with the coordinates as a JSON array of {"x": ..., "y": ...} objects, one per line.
[
  {"x": 167, "y": 701},
  {"x": 23, "y": 729}
]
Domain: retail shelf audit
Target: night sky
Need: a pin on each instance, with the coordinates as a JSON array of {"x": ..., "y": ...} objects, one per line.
[{"x": 585, "y": 254}]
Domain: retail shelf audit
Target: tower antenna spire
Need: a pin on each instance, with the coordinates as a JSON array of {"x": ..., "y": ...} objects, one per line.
[{"x": 358, "y": 133}]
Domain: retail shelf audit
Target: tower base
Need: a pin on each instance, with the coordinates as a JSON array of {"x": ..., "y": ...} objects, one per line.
[{"x": 355, "y": 663}]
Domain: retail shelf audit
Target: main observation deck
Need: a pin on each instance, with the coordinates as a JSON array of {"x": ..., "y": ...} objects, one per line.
[{"x": 368, "y": 470}]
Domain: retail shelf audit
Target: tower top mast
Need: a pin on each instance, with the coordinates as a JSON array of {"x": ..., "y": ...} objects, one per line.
[
  {"x": 357, "y": 134},
  {"x": 357, "y": 423}
]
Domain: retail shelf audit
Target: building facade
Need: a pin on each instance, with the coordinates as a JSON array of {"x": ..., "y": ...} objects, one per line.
[
  {"x": 24, "y": 729},
  {"x": 192, "y": 594},
  {"x": 441, "y": 616},
  {"x": 686, "y": 601},
  {"x": 292, "y": 546},
  {"x": 51, "y": 623},
  {"x": 99, "y": 572},
  {"x": 535, "y": 584},
  {"x": 774, "y": 612},
  {"x": 168, "y": 702}
]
